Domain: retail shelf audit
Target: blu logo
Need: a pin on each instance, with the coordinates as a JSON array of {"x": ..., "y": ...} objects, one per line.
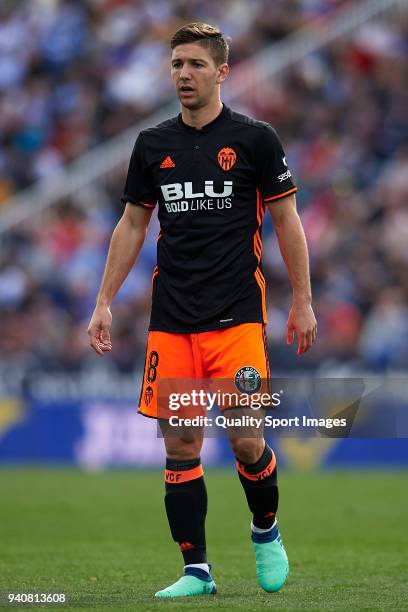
[{"x": 178, "y": 191}]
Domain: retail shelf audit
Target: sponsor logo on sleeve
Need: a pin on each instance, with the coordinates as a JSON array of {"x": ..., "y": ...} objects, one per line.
[{"x": 285, "y": 175}]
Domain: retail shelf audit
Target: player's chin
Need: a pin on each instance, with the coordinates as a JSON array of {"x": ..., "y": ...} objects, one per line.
[{"x": 190, "y": 102}]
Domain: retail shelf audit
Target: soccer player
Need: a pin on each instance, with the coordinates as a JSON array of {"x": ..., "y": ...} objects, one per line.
[{"x": 211, "y": 172}]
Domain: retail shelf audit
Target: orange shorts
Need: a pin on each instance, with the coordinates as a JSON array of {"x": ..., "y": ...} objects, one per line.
[{"x": 238, "y": 355}]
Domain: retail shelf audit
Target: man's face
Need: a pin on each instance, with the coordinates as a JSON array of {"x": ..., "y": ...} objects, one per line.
[{"x": 195, "y": 75}]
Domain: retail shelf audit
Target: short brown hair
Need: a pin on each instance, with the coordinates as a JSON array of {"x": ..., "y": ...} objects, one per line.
[{"x": 207, "y": 36}]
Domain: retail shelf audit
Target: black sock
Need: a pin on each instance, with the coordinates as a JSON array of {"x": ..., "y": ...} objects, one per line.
[
  {"x": 186, "y": 507},
  {"x": 260, "y": 482}
]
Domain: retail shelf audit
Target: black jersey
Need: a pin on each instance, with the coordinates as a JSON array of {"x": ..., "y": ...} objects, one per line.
[{"x": 211, "y": 185}]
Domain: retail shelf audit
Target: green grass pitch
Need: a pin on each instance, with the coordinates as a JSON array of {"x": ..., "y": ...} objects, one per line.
[{"x": 104, "y": 540}]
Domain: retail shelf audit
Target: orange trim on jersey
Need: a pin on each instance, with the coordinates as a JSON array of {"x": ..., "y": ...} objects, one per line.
[
  {"x": 260, "y": 213},
  {"x": 281, "y": 195},
  {"x": 257, "y": 250},
  {"x": 258, "y": 246},
  {"x": 260, "y": 475},
  {"x": 261, "y": 277},
  {"x": 262, "y": 285},
  {"x": 177, "y": 477},
  {"x": 159, "y": 235},
  {"x": 155, "y": 273},
  {"x": 260, "y": 208},
  {"x": 147, "y": 205},
  {"x": 265, "y": 341}
]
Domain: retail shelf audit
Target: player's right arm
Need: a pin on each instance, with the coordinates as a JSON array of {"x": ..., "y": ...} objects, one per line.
[{"x": 127, "y": 240}]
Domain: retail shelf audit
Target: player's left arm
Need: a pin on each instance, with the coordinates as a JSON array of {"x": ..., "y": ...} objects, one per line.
[{"x": 293, "y": 247}]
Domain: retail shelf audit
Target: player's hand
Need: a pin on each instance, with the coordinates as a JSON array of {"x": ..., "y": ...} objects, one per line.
[
  {"x": 302, "y": 321},
  {"x": 99, "y": 330}
]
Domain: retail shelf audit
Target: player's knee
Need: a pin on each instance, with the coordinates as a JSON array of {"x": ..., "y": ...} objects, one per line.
[
  {"x": 247, "y": 450},
  {"x": 179, "y": 448}
]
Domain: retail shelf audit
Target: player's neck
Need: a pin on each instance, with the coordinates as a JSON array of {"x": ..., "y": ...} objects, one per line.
[{"x": 202, "y": 116}]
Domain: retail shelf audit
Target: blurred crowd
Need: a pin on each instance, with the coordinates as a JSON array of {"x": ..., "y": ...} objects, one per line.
[
  {"x": 76, "y": 72},
  {"x": 73, "y": 74}
]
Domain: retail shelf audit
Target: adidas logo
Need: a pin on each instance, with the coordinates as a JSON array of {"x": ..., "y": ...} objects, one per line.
[
  {"x": 186, "y": 546},
  {"x": 168, "y": 163}
]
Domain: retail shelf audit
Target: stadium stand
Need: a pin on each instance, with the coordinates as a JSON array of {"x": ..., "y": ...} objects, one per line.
[{"x": 87, "y": 71}]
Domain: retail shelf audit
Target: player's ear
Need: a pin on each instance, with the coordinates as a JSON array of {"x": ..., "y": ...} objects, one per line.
[{"x": 222, "y": 73}]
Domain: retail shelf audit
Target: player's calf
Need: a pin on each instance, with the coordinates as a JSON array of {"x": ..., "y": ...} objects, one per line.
[
  {"x": 186, "y": 507},
  {"x": 260, "y": 483}
]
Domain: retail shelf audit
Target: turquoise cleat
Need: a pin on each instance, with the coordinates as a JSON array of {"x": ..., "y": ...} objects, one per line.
[
  {"x": 272, "y": 565},
  {"x": 194, "y": 582}
]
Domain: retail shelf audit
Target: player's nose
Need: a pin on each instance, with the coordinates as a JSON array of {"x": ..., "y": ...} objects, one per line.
[{"x": 185, "y": 73}]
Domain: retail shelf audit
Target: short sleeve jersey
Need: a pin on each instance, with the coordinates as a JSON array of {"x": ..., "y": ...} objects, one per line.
[{"x": 211, "y": 186}]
